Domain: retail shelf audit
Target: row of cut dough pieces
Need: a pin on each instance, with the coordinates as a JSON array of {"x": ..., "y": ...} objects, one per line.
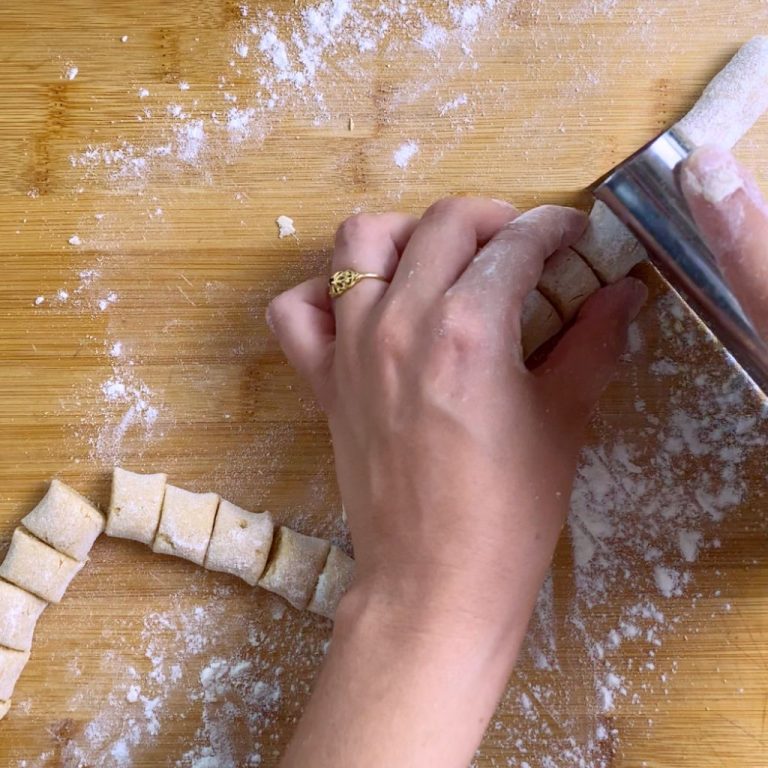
[
  {"x": 46, "y": 552},
  {"x": 728, "y": 107},
  {"x": 307, "y": 571}
]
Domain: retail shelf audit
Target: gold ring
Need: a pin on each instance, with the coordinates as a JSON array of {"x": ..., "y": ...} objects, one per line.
[{"x": 341, "y": 281}]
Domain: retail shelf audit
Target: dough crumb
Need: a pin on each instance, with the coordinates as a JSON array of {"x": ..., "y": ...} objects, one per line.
[
  {"x": 285, "y": 226},
  {"x": 75, "y": 240},
  {"x": 133, "y": 694}
]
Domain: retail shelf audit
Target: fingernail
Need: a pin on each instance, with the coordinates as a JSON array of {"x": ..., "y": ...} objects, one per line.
[{"x": 503, "y": 203}]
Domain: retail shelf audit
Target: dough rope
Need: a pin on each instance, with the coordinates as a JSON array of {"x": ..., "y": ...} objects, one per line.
[{"x": 52, "y": 543}]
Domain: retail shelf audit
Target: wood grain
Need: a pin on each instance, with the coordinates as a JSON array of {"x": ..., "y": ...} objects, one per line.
[{"x": 561, "y": 92}]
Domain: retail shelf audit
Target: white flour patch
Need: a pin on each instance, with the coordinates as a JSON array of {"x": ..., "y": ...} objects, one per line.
[{"x": 403, "y": 155}]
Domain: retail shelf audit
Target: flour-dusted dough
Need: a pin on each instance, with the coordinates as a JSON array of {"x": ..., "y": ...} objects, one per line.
[
  {"x": 240, "y": 542},
  {"x": 567, "y": 282},
  {"x": 19, "y": 612},
  {"x": 334, "y": 581},
  {"x": 4, "y": 707},
  {"x": 295, "y": 566},
  {"x": 607, "y": 245},
  {"x": 11, "y": 664},
  {"x": 186, "y": 523},
  {"x": 135, "y": 504},
  {"x": 66, "y": 521},
  {"x": 733, "y": 101},
  {"x": 539, "y": 322},
  {"x": 38, "y": 568}
]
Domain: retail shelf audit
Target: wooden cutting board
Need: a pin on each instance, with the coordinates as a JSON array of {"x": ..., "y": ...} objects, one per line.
[{"x": 148, "y": 347}]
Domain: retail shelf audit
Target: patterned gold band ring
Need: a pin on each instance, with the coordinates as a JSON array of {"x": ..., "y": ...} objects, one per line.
[{"x": 341, "y": 281}]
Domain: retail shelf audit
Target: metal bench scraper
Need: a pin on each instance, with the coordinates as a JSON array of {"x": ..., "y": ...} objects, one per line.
[{"x": 644, "y": 193}]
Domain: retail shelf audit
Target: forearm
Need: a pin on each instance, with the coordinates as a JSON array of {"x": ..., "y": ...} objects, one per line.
[{"x": 393, "y": 692}]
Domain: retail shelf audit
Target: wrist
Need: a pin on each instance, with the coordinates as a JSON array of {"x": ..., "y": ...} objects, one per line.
[{"x": 432, "y": 613}]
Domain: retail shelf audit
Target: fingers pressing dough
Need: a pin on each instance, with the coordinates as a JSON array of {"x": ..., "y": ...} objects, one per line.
[
  {"x": 66, "y": 521},
  {"x": 186, "y": 523},
  {"x": 539, "y": 322},
  {"x": 19, "y": 612},
  {"x": 135, "y": 504},
  {"x": 567, "y": 282},
  {"x": 334, "y": 581},
  {"x": 240, "y": 542},
  {"x": 295, "y": 565},
  {"x": 38, "y": 568}
]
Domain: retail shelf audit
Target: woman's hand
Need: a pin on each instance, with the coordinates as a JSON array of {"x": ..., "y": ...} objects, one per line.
[
  {"x": 455, "y": 464},
  {"x": 730, "y": 211}
]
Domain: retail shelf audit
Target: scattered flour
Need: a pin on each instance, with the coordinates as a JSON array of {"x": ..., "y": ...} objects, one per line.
[{"x": 403, "y": 155}]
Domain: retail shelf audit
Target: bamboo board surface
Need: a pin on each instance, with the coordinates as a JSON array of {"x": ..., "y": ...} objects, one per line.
[{"x": 150, "y": 349}]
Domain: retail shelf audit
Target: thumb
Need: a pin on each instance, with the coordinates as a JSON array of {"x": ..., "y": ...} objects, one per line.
[
  {"x": 585, "y": 359},
  {"x": 733, "y": 217}
]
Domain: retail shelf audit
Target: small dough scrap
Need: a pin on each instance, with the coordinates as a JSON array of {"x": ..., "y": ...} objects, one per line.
[
  {"x": 608, "y": 246},
  {"x": 539, "y": 322},
  {"x": 567, "y": 282},
  {"x": 19, "y": 612},
  {"x": 11, "y": 665},
  {"x": 334, "y": 581},
  {"x": 186, "y": 523},
  {"x": 240, "y": 542},
  {"x": 734, "y": 99},
  {"x": 4, "y": 707},
  {"x": 38, "y": 568},
  {"x": 66, "y": 521},
  {"x": 134, "y": 508},
  {"x": 295, "y": 566}
]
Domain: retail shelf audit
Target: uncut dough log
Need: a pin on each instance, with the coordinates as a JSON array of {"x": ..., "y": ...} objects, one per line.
[
  {"x": 38, "y": 568},
  {"x": 19, "y": 612},
  {"x": 539, "y": 322},
  {"x": 607, "y": 245},
  {"x": 734, "y": 99},
  {"x": 11, "y": 664},
  {"x": 66, "y": 521},
  {"x": 567, "y": 282},
  {"x": 295, "y": 566},
  {"x": 334, "y": 581},
  {"x": 135, "y": 504},
  {"x": 240, "y": 542},
  {"x": 186, "y": 523}
]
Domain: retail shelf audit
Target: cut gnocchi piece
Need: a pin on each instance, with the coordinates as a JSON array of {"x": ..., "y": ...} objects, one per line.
[
  {"x": 567, "y": 282},
  {"x": 539, "y": 322},
  {"x": 38, "y": 568},
  {"x": 11, "y": 665},
  {"x": 607, "y": 245},
  {"x": 19, "y": 612},
  {"x": 135, "y": 504},
  {"x": 186, "y": 523},
  {"x": 334, "y": 581},
  {"x": 4, "y": 707},
  {"x": 295, "y": 565},
  {"x": 66, "y": 521},
  {"x": 240, "y": 542}
]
